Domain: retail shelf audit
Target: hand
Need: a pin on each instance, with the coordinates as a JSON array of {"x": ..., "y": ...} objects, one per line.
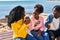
[
  {"x": 36, "y": 24},
  {"x": 48, "y": 26},
  {"x": 39, "y": 32},
  {"x": 27, "y": 21}
]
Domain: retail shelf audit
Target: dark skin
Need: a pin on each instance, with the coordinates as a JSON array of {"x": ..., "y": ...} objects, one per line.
[
  {"x": 27, "y": 21},
  {"x": 56, "y": 15},
  {"x": 36, "y": 15}
]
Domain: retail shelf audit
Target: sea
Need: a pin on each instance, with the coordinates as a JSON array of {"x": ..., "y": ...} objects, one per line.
[{"x": 7, "y": 6}]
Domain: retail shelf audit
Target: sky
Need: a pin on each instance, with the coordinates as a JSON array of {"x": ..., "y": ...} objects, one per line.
[
  {"x": 7, "y": 5},
  {"x": 17, "y": 0}
]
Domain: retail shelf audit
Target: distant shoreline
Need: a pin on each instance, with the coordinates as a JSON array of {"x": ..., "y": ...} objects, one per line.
[{"x": 5, "y": 20}]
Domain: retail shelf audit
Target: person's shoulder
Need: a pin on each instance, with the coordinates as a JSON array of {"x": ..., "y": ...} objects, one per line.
[
  {"x": 31, "y": 16},
  {"x": 13, "y": 24},
  {"x": 50, "y": 15},
  {"x": 40, "y": 16},
  {"x": 19, "y": 22}
]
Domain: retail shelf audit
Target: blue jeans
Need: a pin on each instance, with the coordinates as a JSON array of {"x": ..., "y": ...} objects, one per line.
[
  {"x": 43, "y": 36},
  {"x": 35, "y": 34},
  {"x": 30, "y": 37},
  {"x": 18, "y": 39}
]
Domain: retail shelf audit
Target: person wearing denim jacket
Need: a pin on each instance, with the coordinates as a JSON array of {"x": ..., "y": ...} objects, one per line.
[{"x": 53, "y": 33}]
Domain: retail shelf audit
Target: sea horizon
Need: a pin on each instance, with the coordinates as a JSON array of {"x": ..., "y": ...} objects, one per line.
[{"x": 7, "y": 6}]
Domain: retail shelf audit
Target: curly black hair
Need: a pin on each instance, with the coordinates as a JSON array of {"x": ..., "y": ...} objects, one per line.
[
  {"x": 57, "y": 8},
  {"x": 39, "y": 8},
  {"x": 16, "y": 14}
]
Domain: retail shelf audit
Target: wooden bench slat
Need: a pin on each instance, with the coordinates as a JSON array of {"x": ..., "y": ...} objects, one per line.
[{"x": 6, "y": 36}]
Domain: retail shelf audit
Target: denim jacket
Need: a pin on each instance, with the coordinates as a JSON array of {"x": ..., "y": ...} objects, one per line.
[{"x": 49, "y": 20}]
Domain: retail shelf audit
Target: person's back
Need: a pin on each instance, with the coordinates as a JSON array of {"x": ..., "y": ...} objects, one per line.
[
  {"x": 17, "y": 23},
  {"x": 19, "y": 29}
]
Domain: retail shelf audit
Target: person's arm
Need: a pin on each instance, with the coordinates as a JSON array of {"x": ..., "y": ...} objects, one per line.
[
  {"x": 41, "y": 25},
  {"x": 31, "y": 24},
  {"x": 48, "y": 21},
  {"x": 28, "y": 21},
  {"x": 30, "y": 27}
]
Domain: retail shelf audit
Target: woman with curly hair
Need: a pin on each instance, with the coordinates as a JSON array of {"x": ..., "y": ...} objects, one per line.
[{"x": 17, "y": 23}]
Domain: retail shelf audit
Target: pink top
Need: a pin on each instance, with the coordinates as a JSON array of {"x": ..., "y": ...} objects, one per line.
[{"x": 38, "y": 26}]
